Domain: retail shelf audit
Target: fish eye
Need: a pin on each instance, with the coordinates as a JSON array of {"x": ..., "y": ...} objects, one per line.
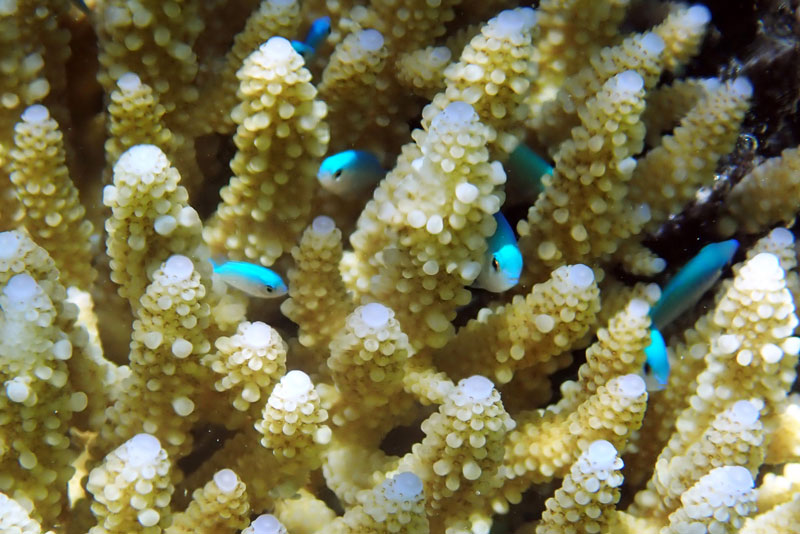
[
  {"x": 269, "y": 289},
  {"x": 495, "y": 264},
  {"x": 337, "y": 174}
]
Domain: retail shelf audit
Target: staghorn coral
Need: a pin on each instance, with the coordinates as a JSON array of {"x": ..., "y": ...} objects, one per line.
[
  {"x": 52, "y": 211},
  {"x": 280, "y": 136},
  {"x": 384, "y": 394}
]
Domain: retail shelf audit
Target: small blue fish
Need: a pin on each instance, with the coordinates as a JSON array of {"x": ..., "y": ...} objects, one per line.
[
  {"x": 525, "y": 169},
  {"x": 350, "y": 171},
  {"x": 529, "y": 165},
  {"x": 80, "y": 4},
  {"x": 255, "y": 280},
  {"x": 319, "y": 31},
  {"x": 657, "y": 360},
  {"x": 303, "y": 49},
  {"x": 503, "y": 261},
  {"x": 692, "y": 281}
]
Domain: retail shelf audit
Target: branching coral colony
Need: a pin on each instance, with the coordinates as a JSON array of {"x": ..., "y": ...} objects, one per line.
[{"x": 121, "y": 351}]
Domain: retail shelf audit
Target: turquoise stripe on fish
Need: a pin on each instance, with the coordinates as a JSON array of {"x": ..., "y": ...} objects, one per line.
[
  {"x": 350, "y": 172},
  {"x": 503, "y": 261},
  {"x": 692, "y": 281},
  {"x": 253, "y": 279}
]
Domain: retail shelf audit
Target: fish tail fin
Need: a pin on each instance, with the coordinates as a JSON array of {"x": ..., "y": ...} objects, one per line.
[{"x": 656, "y": 357}]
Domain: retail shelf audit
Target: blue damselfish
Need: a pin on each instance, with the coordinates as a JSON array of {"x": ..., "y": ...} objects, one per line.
[
  {"x": 657, "y": 360},
  {"x": 351, "y": 171},
  {"x": 525, "y": 170},
  {"x": 317, "y": 33},
  {"x": 681, "y": 293},
  {"x": 503, "y": 261},
  {"x": 255, "y": 280},
  {"x": 692, "y": 281},
  {"x": 303, "y": 49},
  {"x": 80, "y": 4}
]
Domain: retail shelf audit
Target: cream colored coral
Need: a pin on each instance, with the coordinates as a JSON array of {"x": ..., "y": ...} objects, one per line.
[
  {"x": 150, "y": 220},
  {"x": 409, "y": 25},
  {"x": 423, "y": 236},
  {"x": 735, "y": 437},
  {"x": 581, "y": 215},
  {"x": 545, "y": 444},
  {"x": 155, "y": 41},
  {"x": 265, "y": 524},
  {"x": 493, "y": 75},
  {"x": 784, "y": 444},
  {"x": 89, "y": 371},
  {"x": 270, "y": 18},
  {"x": 529, "y": 331},
  {"x": 318, "y": 300},
  {"x": 24, "y": 83},
  {"x": 459, "y": 457},
  {"x": 639, "y": 260},
  {"x": 667, "y": 46},
  {"x": 687, "y": 354},
  {"x": 352, "y": 466},
  {"x": 571, "y": 32},
  {"x": 280, "y": 139},
  {"x": 396, "y": 505},
  {"x": 687, "y": 361},
  {"x": 619, "y": 350},
  {"x": 351, "y": 83},
  {"x": 719, "y": 502},
  {"x": 755, "y": 356},
  {"x": 168, "y": 342},
  {"x": 422, "y": 71},
  {"x": 642, "y": 53},
  {"x": 425, "y": 382},
  {"x": 667, "y": 104},
  {"x": 132, "y": 488},
  {"x": 37, "y": 400},
  {"x": 617, "y": 295},
  {"x": 248, "y": 364},
  {"x": 683, "y": 32},
  {"x": 303, "y": 513},
  {"x": 777, "y": 489},
  {"x": 220, "y": 507},
  {"x": 135, "y": 117},
  {"x": 14, "y": 518},
  {"x": 367, "y": 362},
  {"x": 587, "y": 495},
  {"x": 767, "y": 194},
  {"x": 625, "y": 523},
  {"x": 782, "y": 518},
  {"x": 293, "y": 428},
  {"x": 781, "y": 243},
  {"x": 668, "y": 176},
  {"x": 52, "y": 211}
]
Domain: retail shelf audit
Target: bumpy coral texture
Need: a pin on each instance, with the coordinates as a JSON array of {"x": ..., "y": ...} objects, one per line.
[{"x": 143, "y": 389}]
